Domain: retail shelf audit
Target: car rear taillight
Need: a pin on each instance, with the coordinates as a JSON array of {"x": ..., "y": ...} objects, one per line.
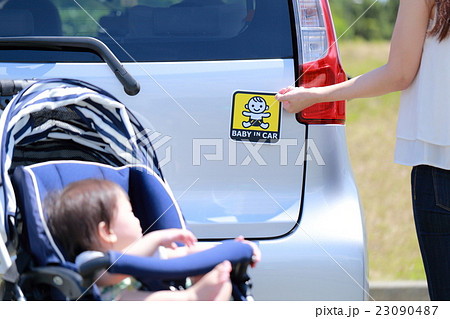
[{"x": 319, "y": 57}]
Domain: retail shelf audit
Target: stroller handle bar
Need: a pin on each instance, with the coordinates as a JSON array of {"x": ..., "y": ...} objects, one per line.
[
  {"x": 239, "y": 254},
  {"x": 12, "y": 87},
  {"x": 76, "y": 44},
  {"x": 146, "y": 269}
]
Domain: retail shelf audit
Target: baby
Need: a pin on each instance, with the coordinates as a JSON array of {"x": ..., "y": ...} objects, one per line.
[{"x": 94, "y": 214}]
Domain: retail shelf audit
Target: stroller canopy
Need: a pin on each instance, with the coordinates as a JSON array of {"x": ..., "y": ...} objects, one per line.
[{"x": 60, "y": 119}]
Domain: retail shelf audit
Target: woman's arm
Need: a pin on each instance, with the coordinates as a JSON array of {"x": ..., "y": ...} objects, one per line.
[{"x": 399, "y": 72}]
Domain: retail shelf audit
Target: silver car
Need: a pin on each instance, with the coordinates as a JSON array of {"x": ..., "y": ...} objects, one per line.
[{"x": 237, "y": 163}]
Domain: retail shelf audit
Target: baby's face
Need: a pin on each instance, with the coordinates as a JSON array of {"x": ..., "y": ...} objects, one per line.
[
  {"x": 125, "y": 224},
  {"x": 256, "y": 107}
]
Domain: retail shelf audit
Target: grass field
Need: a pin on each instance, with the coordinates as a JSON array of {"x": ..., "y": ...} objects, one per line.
[{"x": 384, "y": 186}]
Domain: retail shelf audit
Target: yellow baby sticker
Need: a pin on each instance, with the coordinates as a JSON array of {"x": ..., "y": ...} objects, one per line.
[{"x": 255, "y": 117}]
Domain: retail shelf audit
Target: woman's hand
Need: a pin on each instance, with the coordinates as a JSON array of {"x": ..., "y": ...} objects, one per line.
[{"x": 296, "y": 99}]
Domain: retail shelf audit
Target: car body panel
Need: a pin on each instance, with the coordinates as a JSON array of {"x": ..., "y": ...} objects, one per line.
[
  {"x": 324, "y": 258},
  {"x": 189, "y": 116}
]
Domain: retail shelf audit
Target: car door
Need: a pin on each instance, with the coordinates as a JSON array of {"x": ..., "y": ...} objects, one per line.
[{"x": 234, "y": 170}]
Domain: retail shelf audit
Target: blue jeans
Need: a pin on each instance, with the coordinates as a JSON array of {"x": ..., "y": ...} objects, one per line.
[{"x": 431, "y": 205}]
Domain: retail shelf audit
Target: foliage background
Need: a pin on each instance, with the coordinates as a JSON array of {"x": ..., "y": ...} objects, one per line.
[{"x": 374, "y": 18}]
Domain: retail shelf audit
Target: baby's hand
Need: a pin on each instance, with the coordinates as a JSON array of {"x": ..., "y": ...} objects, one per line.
[
  {"x": 256, "y": 252},
  {"x": 169, "y": 237}
]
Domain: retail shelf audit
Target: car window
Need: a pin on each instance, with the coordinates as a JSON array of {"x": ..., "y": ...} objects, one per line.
[{"x": 154, "y": 30}]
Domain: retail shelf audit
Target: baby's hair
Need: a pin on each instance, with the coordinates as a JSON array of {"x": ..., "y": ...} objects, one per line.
[
  {"x": 257, "y": 99},
  {"x": 75, "y": 213}
]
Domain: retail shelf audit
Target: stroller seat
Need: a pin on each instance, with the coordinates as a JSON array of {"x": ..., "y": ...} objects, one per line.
[{"x": 153, "y": 204}]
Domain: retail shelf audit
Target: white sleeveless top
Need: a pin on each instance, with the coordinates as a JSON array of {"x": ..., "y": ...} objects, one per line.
[{"x": 423, "y": 128}]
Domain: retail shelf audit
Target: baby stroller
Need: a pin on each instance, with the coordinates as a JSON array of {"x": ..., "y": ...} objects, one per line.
[{"x": 58, "y": 131}]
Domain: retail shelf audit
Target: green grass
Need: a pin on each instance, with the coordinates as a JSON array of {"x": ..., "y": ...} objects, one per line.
[{"x": 384, "y": 186}]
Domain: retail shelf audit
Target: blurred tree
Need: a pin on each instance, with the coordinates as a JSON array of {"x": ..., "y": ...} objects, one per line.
[{"x": 371, "y": 19}]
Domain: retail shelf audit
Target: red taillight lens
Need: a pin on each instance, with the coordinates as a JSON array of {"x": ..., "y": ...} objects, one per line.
[
  {"x": 321, "y": 65},
  {"x": 315, "y": 74}
]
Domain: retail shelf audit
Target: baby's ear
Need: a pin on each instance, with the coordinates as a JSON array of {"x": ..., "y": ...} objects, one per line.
[
  {"x": 246, "y": 106},
  {"x": 105, "y": 234}
]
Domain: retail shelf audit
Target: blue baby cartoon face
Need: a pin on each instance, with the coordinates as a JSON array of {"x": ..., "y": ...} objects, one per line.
[{"x": 257, "y": 105}]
